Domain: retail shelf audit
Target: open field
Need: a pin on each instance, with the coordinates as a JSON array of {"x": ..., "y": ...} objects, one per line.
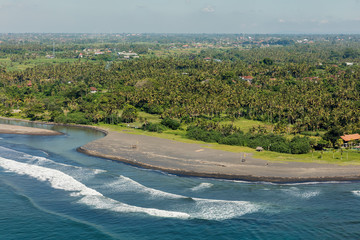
[{"x": 19, "y": 66}]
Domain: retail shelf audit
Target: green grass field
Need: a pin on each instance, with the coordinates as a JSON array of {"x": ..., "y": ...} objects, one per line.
[
  {"x": 20, "y": 66},
  {"x": 245, "y": 124}
]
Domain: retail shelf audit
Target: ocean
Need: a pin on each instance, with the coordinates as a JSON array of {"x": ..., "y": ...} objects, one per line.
[{"x": 50, "y": 191}]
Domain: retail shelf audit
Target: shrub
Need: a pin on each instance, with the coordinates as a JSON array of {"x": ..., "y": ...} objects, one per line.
[
  {"x": 237, "y": 139},
  {"x": 276, "y": 143},
  {"x": 170, "y": 123},
  {"x": 203, "y": 135},
  {"x": 300, "y": 145},
  {"x": 75, "y": 117},
  {"x": 281, "y": 147}
]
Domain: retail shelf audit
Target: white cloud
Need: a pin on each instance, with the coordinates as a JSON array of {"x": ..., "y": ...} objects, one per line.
[
  {"x": 324, "y": 21},
  {"x": 281, "y": 20},
  {"x": 208, "y": 9}
]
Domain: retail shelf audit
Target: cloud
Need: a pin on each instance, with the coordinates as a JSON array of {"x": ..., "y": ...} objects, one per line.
[
  {"x": 208, "y": 9},
  {"x": 324, "y": 21},
  {"x": 281, "y": 21}
]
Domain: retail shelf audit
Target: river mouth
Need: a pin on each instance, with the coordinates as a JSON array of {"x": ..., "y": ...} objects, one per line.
[{"x": 50, "y": 191}]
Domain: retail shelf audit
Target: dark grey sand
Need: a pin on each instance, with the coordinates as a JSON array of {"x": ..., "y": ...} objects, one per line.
[
  {"x": 13, "y": 129},
  {"x": 197, "y": 160}
]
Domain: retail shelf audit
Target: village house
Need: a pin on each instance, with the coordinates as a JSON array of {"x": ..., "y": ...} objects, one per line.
[
  {"x": 93, "y": 90},
  {"x": 128, "y": 55},
  {"x": 350, "y": 140},
  {"x": 248, "y": 79}
]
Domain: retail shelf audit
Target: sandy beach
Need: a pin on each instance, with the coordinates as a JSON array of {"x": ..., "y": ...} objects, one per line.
[
  {"x": 13, "y": 129},
  {"x": 198, "y": 161}
]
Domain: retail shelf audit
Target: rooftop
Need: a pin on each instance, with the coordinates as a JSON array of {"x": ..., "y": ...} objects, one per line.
[{"x": 350, "y": 137}]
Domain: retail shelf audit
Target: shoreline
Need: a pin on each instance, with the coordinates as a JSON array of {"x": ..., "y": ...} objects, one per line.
[
  {"x": 249, "y": 178},
  {"x": 21, "y": 130},
  {"x": 104, "y": 131},
  {"x": 196, "y": 160}
]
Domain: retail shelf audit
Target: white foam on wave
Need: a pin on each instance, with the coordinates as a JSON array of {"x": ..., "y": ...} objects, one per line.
[
  {"x": 222, "y": 209},
  {"x": 112, "y": 205},
  {"x": 47, "y": 154},
  {"x": 200, "y": 208},
  {"x": 42, "y": 161},
  {"x": 128, "y": 185},
  {"x": 90, "y": 197},
  {"x": 356, "y": 192},
  {"x": 56, "y": 178},
  {"x": 45, "y": 161},
  {"x": 7, "y": 152},
  {"x": 98, "y": 171},
  {"x": 202, "y": 186},
  {"x": 295, "y": 192}
]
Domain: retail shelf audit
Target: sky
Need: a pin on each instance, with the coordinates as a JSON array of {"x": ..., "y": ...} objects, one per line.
[{"x": 180, "y": 16}]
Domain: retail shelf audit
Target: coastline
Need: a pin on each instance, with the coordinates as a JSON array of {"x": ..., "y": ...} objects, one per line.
[
  {"x": 14, "y": 129},
  {"x": 196, "y": 160},
  {"x": 105, "y": 132}
]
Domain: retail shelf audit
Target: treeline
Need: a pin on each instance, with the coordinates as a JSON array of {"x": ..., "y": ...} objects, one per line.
[
  {"x": 271, "y": 142},
  {"x": 294, "y": 96},
  {"x": 210, "y": 131}
]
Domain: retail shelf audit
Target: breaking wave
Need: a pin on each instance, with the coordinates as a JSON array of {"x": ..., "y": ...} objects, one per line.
[
  {"x": 295, "y": 192},
  {"x": 66, "y": 177},
  {"x": 222, "y": 209},
  {"x": 113, "y": 205},
  {"x": 202, "y": 186},
  {"x": 356, "y": 192},
  {"x": 126, "y": 184},
  {"x": 56, "y": 178},
  {"x": 201, "y": 208},
  {"x": 90, "y": 197}
]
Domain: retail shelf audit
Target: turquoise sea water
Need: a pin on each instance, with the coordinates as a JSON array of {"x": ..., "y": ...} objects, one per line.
[{"x": 50, "y": 191}]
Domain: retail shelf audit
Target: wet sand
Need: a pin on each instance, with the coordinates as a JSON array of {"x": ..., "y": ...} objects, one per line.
[
  {"x": 13, "y": 129},
  {"x": 198, "y": 161}
]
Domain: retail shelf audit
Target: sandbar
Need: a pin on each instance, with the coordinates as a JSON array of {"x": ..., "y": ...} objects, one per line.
[
  {"x": 14, "y": 129},
  {"x": 198, "y": 160}
]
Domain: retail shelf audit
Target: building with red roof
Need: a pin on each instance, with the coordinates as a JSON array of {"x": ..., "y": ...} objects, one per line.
[
  {"x": 351, "y": 137},
  {"x": 93, "y": 90}
]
